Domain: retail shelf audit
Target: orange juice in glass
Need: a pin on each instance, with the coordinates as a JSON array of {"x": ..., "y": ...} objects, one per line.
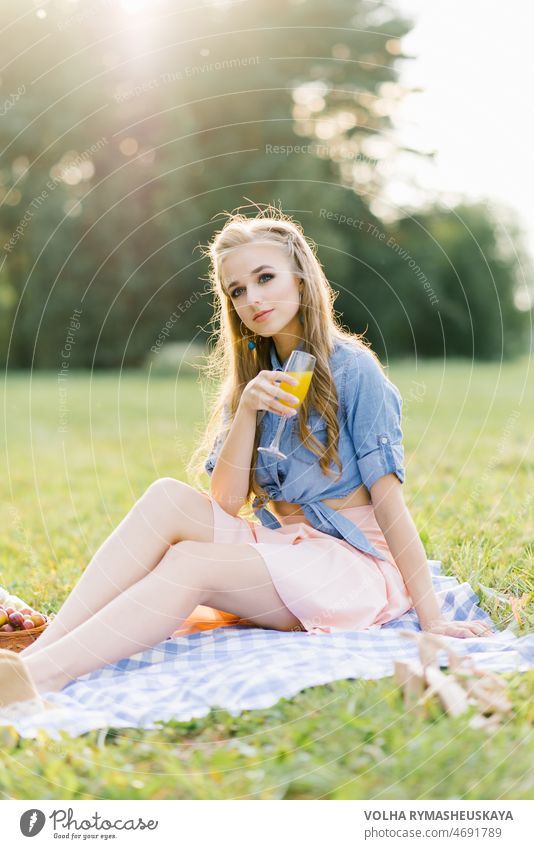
[
  {"x": 300, "y": 365},
  {"x": 300, "y": 390}
]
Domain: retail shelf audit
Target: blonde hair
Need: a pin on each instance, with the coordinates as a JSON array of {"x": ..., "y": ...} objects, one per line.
[{"x": 232, "y": 364}]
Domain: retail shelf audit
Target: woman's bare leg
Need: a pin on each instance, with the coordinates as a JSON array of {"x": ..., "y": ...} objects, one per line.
[
  {"x": 167, "y": 512},
  {"x": 146, "y": 613}
]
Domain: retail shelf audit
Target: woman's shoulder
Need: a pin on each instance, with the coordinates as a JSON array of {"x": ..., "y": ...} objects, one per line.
[
  {"x": 361, "y": 372},
  {"x": 349, "y": 355}
]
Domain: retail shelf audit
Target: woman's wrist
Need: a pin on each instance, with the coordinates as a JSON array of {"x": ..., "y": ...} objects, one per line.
[
  {"x": 428, "y": 609},
  {"x": 244, "y": 411},
  {"x": 429, "y": 618}
]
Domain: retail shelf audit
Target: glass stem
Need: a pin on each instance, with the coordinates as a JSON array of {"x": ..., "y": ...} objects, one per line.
[{"x": 278, "y": 435}]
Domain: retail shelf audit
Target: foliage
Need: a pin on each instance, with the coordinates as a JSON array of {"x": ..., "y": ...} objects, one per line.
[{"x": 124, "y": 135}]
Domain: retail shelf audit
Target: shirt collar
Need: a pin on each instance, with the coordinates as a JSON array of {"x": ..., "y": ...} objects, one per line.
[{"x": 275, "y": 362}]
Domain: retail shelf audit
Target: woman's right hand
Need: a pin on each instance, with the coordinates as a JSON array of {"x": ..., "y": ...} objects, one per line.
[{"x": 260, "y": 392}]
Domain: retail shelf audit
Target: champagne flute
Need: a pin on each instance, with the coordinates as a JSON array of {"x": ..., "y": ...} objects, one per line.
[{"x": 300, "y": 365}]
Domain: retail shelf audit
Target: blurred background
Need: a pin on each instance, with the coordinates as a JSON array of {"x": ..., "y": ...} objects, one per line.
[{"x": 127, "y": 126}]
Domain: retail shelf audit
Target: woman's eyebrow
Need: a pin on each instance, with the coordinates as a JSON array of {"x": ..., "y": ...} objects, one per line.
[{"x": 254, "y": 271}]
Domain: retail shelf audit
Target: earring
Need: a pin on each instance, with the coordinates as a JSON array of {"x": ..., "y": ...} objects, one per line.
[
  {"x": 251, "y": 343},
  {"x": 301, "y": 314}
]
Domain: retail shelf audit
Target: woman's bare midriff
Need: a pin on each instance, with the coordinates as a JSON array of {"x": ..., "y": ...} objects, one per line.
[{"x": 357, "y": 498}]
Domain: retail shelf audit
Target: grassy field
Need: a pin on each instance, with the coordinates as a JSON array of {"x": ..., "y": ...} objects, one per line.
[{"x": 470, "y": 487}]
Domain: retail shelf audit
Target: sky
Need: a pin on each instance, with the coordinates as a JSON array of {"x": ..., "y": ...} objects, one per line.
[{"x": 475, "y": 61}]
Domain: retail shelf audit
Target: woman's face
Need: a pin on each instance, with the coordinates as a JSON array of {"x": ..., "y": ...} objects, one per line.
[{"x": 254, "y": 289}]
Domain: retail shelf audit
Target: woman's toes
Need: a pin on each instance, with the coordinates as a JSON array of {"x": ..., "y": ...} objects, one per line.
[{"x": 16, "y": 684}]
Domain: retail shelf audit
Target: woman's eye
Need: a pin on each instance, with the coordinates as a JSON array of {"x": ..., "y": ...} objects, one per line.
[{"x": 237, "y": 292}]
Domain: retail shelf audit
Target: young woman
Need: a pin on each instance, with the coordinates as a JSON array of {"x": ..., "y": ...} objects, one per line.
[{"x": 337, "y": 550}]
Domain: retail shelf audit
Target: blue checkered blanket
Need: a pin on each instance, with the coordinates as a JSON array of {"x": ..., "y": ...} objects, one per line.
[{"x": 240, "y": 668}]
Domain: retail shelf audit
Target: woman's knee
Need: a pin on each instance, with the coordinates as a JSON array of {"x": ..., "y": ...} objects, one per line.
[
  {"x": 183, "y": 563},
  {"x": 165, "y": 493},
  {"x": 165, "y": 488},
  {"x": 162, "y": 505},
  {"x": 179, "y": 508}
]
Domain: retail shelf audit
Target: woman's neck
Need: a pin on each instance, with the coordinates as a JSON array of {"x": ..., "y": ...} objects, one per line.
[{"x": 285, "y": 346}]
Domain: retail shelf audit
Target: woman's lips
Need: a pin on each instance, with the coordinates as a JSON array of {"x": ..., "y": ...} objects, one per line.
[{"x": 264, "y": 315}]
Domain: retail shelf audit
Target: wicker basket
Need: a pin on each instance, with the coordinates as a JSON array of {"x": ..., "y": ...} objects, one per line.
[{"x": 18, "y": 640}]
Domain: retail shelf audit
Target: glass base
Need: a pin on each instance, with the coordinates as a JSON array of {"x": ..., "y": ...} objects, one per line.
[{"x": 273, "y": 452}]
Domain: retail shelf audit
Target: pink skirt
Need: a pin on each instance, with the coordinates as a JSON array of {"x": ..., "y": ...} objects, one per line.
[{"x": 324, "y": 581}]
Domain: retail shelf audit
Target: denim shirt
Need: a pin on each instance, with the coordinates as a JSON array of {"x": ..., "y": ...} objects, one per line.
[{"x": 370, "y": 446}]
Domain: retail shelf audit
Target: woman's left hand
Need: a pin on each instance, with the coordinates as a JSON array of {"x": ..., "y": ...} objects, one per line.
[{"x": 463, "y": 629}]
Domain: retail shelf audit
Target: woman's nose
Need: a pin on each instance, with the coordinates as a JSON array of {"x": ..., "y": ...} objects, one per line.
[{"x": 253, "y": 297}]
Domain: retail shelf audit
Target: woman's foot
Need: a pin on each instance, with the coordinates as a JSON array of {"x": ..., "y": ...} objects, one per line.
[{"x": 18, "y": 693}]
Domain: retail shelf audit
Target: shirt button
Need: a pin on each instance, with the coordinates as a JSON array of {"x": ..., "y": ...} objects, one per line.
[{"x": 384, "y": 439}]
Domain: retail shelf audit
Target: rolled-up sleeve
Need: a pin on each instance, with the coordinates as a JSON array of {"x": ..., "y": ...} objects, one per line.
[
  {"x": 209, "y": 465},
  {"x": 373, "y": 406}
]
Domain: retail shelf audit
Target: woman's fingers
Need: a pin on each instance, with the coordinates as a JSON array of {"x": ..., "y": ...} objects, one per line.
[
  {"x": 276, "y": 395},
  {"x": 286, "y": 396},
  {"x": 462, "y": 629},
  {"x": 281, "y": 394},
  {"x": 283, "y": 376},
  {"x": 468, "y": 631},
  {"x": 280, "y": 409},
  {"x": 478, "y": 627},
  {"x": 461, "y": 632}
]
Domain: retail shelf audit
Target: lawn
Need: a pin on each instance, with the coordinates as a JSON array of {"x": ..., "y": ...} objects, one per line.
[{"x": 469, "y": 485}]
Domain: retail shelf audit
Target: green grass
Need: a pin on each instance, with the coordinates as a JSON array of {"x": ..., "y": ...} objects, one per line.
[{"x": 470, "y": 487}]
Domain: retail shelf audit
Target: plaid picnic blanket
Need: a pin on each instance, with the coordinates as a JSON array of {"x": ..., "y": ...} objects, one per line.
[{"x": 240, "y": 668}]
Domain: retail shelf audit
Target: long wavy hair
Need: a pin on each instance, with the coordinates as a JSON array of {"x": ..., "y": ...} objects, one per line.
[{"x": 231, "y": 364}]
